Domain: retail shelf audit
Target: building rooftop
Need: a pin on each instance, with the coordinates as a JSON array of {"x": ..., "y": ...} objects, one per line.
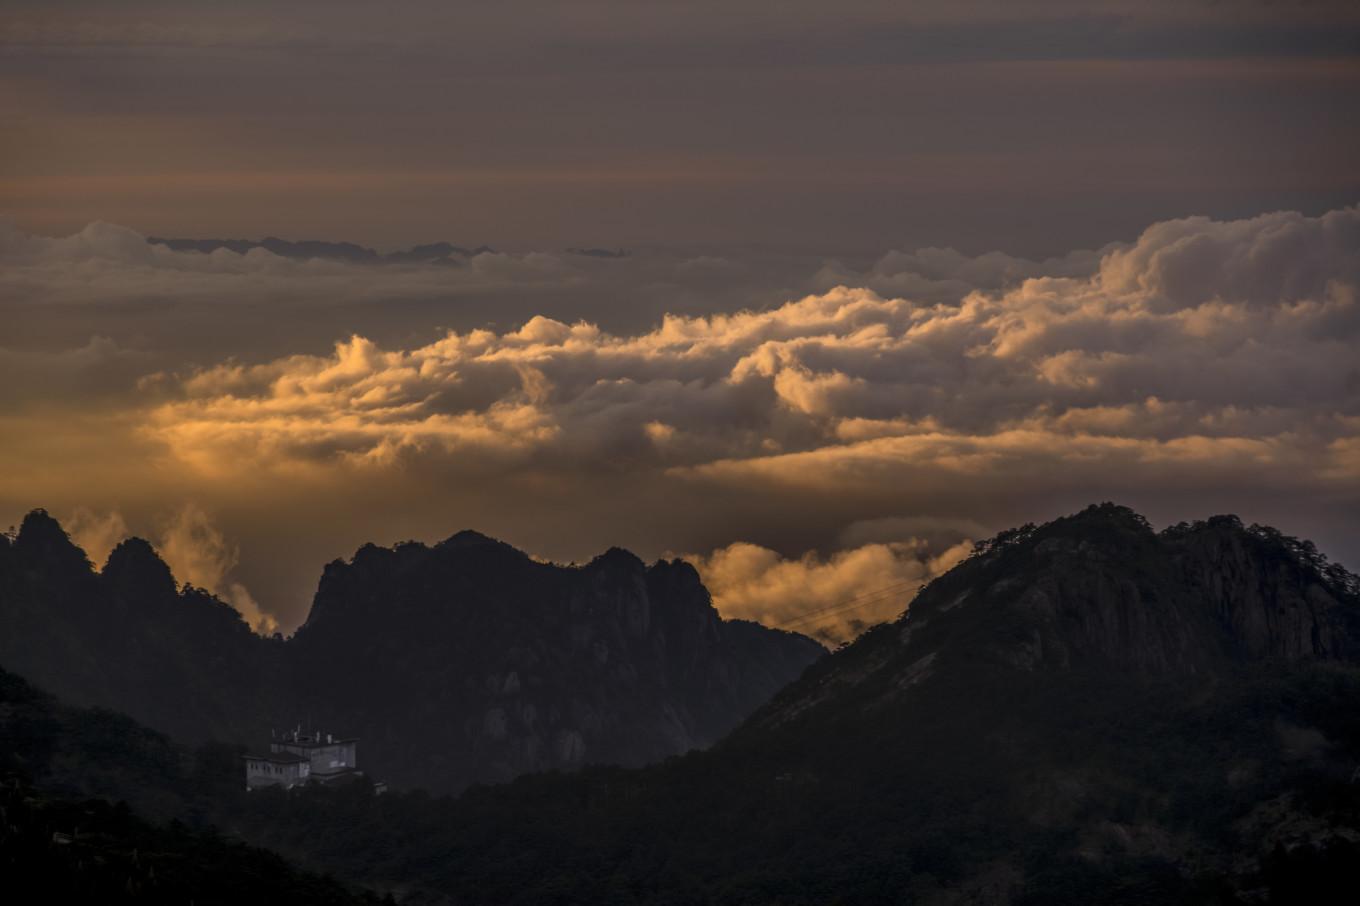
[
  {"x": 276, "y": 757},
  {"x": 297, "y": 738}
]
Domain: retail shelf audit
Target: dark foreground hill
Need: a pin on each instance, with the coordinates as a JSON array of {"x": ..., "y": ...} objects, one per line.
[
  {"x": 1085, "y": 712},
  {"x": 67, "y": 836},
  {"x": 462, "y": 662}
]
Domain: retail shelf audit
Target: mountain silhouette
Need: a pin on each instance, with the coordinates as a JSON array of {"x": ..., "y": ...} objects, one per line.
[
  {"x": 499, "y": 664},
  {"x": 442, "y": 253},
  {"x": 66, "y": 776},
  {"x": 1086, "y": 711},
  {"x": 463, "y": 662}
]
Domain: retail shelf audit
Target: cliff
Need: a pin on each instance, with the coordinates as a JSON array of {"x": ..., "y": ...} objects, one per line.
[
  {"x": 1082, "y": 712},
  {"x": 463, "y": 662},
  {"x": 1101, "y": 591}
]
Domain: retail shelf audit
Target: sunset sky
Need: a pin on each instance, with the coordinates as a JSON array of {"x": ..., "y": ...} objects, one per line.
[{"x": 899, "y": 275}]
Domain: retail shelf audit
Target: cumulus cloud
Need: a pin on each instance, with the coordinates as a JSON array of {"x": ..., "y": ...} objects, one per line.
[
  {"x": 832, "y": 598},
  {"x": 947, "y": 275},
  {"x": 1176, "y": 362},
  {"x": 1206, "y": 364},
  {"x": 1271, "y": 260}
]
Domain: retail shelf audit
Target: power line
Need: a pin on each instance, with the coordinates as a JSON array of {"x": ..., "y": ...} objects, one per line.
[
  {"x": 863, "y": 599},
  {"x": 872, "y": 593},
  {"x": 852, "y": 604},
  {"x": 810, "y": 618},
  {"x": 862, "y": 596}
]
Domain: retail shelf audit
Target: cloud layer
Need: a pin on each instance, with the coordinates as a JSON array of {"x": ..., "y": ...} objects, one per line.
[
  {"x": 878, "y": 417},
  {"x": 1203, "y": 344},
  {"x": 1028, "y": 125}
]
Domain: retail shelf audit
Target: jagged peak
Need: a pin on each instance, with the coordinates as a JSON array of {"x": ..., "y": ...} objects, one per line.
[
  {"x": 480, "y": 545},
  {"x": 469, "y": 538},
  {"x": 617, "y": 558},
  {"x": 1301, "y": 552},
  {"x": 1100, "y": 588},
  {"x": 134, "y": 549},
  {"x": 41, "y": 534},
  {"x": 38, "y": 525},
  {"x": 1107, "y": 516},
  {"x": 134, "y": 566},
  {"x": 676, "y": 570},
  {"x": 1097, "y": 523},
  {"x": 371, "y": 551}
]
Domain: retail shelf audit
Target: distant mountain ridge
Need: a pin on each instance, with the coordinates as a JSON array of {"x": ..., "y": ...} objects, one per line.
[
  {"x": 444, "y": 253},
  {"x": 463, "y": 662}
]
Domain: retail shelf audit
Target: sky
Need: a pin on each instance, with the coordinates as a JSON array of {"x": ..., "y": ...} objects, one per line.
[{"x": 898, "y": 276}]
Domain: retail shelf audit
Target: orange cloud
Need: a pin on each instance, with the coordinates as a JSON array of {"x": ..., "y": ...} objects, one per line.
[
  {"x": 832, "y": 598},
  {"x": 1206, "y": 358}
]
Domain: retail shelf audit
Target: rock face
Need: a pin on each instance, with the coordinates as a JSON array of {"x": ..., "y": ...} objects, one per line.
[
  {"x": 1102, "y": 591},
  {"x": 1084, "y": 712},
  {"x": 463, "y": 662},
  {"x": 501, "y": 665},
  {"x": 128, "y": 638},
  {"x": 1264, "y": 591}
]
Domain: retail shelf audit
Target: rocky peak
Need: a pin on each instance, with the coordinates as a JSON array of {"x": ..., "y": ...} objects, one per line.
[
  {"x": 134, "y": 570},
  {"x": 1276, "y": 596},
  {"x": 43, "y": 542},
  {"x": 1100, "y": 591},
  {"x": 470, "y": 538},
  {"x": 675, "y": 577},
  {"x": 538, "y": 665},
  {"x": 1103, "y": 584},
  {"x": 616, "y": 558},
  {"x": 41, "y": 536},
  {"x": 462, "y": 662}
]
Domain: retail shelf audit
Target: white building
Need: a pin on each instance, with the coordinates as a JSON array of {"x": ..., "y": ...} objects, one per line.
[
  {"x": 285, "y": 769},
  {"x": 297, "y": 757}
]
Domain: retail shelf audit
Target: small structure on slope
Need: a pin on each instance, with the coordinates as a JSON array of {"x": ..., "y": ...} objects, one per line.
[
  {"x": 284, "y": 769},
  {"x": 298, "y": 757}
]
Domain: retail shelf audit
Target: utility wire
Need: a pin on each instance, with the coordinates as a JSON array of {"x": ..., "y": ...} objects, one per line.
[
  {"x": 856, "y": 599},
  {"x": 854, "y": 603},
  {"x": 809, "y": 618}
]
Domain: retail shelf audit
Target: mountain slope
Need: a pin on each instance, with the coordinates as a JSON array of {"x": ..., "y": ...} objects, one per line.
[
  {"x": 463, "y": 662},
  {"x": 60, "y": 834},
  {"x": 508, "y": 665},
  {"x": 128, "y": 638},
  {"x": 1101, "y": 591},
  {"x": 1083, "y": 712}
]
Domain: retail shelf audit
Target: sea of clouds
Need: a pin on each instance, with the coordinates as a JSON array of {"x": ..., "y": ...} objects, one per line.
[{"x": 808, "y": 431}]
